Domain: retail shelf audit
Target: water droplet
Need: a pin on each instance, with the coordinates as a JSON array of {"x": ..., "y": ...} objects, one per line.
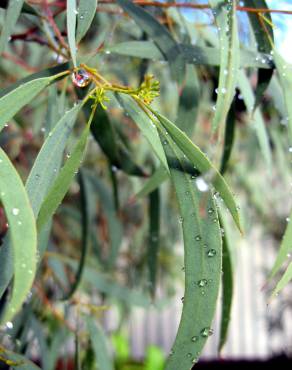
[
  {"x": 194, "y": 360},
  {"x": 80, "y": 77},
  {"x": 203, "y": 282},
  {"x": 107, "y": 52},
  {"x": 210, "y": 211},
  {"x": 201, "y": 184},
  {"x": 30, "y": 272},
  {"x": 68, "y": 155},
  {"x": 195, "y": 338},
  {"x": 15, "y": 211},
  {"x": 19, "y": 223},
  {"x": 2, "y": 193},
  {"x": 9, "y": 325},
  {"x": 37, "y": 176},
  {"x": 43, "y": 129},
  {"x": 182, "y": 299},
  {"x": 198, "y": 238},
  {"x": 180, "y": 220},
  {"x": 206, "y": 332},
  {"x": 171, "y": 353},
  {"x": 290, "y": 149},
  {"x": 50, "y": 134},
  {"x": 211, "y": 253},
  {"x": 23, "y": 265},
  {"x": 223, "y": 90}
]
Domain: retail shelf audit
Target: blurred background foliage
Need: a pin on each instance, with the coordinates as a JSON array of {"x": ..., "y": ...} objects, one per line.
[{"x": 129, "y": 239}]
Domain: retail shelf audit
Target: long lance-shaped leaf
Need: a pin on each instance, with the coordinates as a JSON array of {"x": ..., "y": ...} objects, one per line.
[
  {"x": 63, "y": 181},
  {"x": 99, "y": 344},
  {"x": 71, "y": 28},
  {"x": 229, "y": 139},
  {"x": 86, "y": 13},
  {"x": 160, "y": 35},
  {"x": 85, "y": 224},
  {"x": 286, "y": 278},
  {"x": 264, "y": 35},
  {"x": 145, "y": 125},
  {"x": 284, "y": 72},
  {"x": 154, "y": 236},
  {"x": 257, "y": 121},
  {"x": 189, "y": 102},
  {"x": 41, "y": 176},
  {"x": 11, "y": 16},
  {"x": 285, "y": 249},
  {"x": 22, "y": 234},
  {"x": 49, "y": 159},
  {"x": 16, "y": 361},
  {"x": 25, "y": 8},
  {"x": 193, "y": 54},
  {"x": 12, "y": 102},
  {"x": 49, "y": 72},
  {"x": 202, "y": 163},
  {"x": 202, "y": 260},
  {"x": 225, "y": 16},
  {"x": 227, "y": 285}
]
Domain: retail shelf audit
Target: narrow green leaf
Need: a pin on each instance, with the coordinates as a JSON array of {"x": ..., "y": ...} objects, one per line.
[
  {"x": 86, "y": 13},
  {"x": 257, "y": 123},
  {"x": 229, "y": 139},
  {"x": 160, "y": 35},
  {"x": 114, "y": 225},
  {"x": 12, "y": 102},
  {"x": 202, "y": 260},
  {"x": 85, "y": 229},
  {"x": 99, "y": 344},
  {"x": 25, "y": 8},
  {"x": 225, "y": 16},
  {"x": 49, "y": 159},
  {"x": 202, "y": 163},
  {"x": 286, "y": 278},
  {"x": 155, "y": 180},
  {"x": 285, "y": 77},
  {"x": 11, "y": 16},
  {"x": 189, "y": 102},
  {"x": 109, "y": 140},
  {"x": 16, "y": 361},
  {"x": 154, "y": 236},
  {"x": 71, "y": 28},
  {"x": 145, "y": 125},
  {"x": 63, "y": 181},
  {"x": 22, "y": 234},
  {"x": 193, "y": 54},
  {"x": 285, "y": 249},
  {"x": 227, "y": 287},
  {"x": 264, "y": 35}
]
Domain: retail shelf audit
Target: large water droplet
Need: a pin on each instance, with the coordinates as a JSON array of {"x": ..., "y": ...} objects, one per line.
[
  {"x": 80, "y": 77},
  {"x": 211, "y": 253},
  {"x": 9, "y": 325},
  {"x": 15, "y": 211},
  {"x": 206, "y": 332},
  {"x": 201, "y": 184}
]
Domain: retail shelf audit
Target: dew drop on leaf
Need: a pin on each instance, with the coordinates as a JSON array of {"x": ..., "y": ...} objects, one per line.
[
  {"x": 211, "y": 253},
  {"x": 80, "y": 77}
]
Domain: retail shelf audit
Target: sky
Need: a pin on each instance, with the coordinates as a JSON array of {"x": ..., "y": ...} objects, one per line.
[{"x": 283, "y": 27}]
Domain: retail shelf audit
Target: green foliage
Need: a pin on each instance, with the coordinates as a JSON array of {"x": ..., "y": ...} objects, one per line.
[{"x": 157, "y": 117}]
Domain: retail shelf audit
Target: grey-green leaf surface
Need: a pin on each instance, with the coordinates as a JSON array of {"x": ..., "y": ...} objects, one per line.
[
  {"x": 100, "y": 346},
  {"x": 225, "y": 16},
  {"x": 114, "y": 224},
  {"x": 257, "y": 121},
  {"x": 170, "y": 49},
  {"x": 285, "y": 77},
  {"x": 189, "y": 99},
  {"x": 264, "y": 35},
  {"x": 63, "y": 181},
  {"x": 22, "y": 234},
  {"x": 193, "y": 54},
  {"x": 144, "y": 123},
  {"x": 227, "y": 287},
  {"x": 71, "y": 28},
  {"x": 11, "y": 16},
  {"x": 202, "y": 163},
  {"x": 285, "y": 249},
  {"x": 85, "y": 16},
  {"x": 12, "y": 102},
  {"x": 285, "y": 279},
  {"x": 154, "y": 238},
  {"x": 202, "y": 261},
  {"x": 16, "y": 361},
  {"x": 49, "y": 159}
]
